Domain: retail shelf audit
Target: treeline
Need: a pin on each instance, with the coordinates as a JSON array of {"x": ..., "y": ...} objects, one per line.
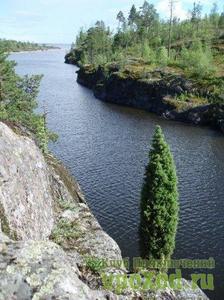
[
  {"x": 16, "y": 46},
  {"x": 187, "y": 44}
]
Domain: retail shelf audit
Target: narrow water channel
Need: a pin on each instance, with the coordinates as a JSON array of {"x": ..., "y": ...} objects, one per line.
[{"x": 105, "y": 147}]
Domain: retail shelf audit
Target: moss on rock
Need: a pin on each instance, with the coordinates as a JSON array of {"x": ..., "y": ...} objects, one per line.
[{"x": 66, "y": 233}]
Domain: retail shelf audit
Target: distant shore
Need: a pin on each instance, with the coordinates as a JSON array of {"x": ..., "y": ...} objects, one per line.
[
  {"x": 37, "y": 50},
  {"x": 11, "y": 46}
]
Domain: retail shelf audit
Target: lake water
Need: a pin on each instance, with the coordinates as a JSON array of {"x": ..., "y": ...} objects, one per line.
[{"x": 106, "y": 146}]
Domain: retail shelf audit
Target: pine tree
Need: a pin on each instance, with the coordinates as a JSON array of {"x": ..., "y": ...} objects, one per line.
[
  {"x": 196, "y": 14},
  {"x": 18, "y": 101},
  {"x": 171, "y": 4},
  {"x": 133, "y": 15},
  {"x": 159, "y": 201},
  {"x": 121, "y": 19},
  {"x": 162, "y": 56}
]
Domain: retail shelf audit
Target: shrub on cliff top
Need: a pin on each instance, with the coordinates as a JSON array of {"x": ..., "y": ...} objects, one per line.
[
  {"x": 162, "y": 56},
  {"x": 159, "y": 201},
  {"x": 197, "y": 60}
]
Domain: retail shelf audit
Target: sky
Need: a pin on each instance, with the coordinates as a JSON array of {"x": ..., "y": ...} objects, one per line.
[{"x": 58, "y": 21}]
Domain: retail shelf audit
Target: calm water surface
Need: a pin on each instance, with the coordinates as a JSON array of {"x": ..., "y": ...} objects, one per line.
[{"x": 105, "y": 147}]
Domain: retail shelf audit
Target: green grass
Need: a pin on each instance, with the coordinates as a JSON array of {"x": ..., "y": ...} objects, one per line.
[{"x": 65, "y": 232}]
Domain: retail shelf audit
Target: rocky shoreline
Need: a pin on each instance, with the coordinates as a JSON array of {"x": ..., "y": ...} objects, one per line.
[
  {"x": 158, "y": 91},
  {"x": 47, "y": 231}
]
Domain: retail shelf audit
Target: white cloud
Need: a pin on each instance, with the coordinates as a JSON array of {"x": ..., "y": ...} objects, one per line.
[{"x": 179, "y": 11}]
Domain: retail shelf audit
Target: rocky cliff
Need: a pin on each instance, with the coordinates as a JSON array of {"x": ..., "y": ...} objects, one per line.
[
  {"x": 47, "y": 230},
  {"x": 169, "y": 95},
  {"x": 73, "y": 57}
]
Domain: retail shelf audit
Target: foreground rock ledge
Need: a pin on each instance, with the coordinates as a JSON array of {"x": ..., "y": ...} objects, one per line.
[{"x": 47, "y": 229}]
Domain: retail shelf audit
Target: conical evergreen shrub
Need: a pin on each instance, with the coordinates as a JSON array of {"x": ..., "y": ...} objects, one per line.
[{"x": 159, "y": 201}]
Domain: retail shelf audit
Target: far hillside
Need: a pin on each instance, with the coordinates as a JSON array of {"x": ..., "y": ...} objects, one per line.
[{"x": 17, "y": 46}]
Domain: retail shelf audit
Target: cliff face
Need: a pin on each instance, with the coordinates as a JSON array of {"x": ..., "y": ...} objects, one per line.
[
  {"x": 26, "y": 209},
  {"x": 41, "y": 205},
  {"x": 157, "y": 93},
  {"x": 47, "y": 230}
]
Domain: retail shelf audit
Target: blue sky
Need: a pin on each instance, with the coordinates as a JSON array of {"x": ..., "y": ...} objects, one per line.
[{"x": 58, "y": 21}]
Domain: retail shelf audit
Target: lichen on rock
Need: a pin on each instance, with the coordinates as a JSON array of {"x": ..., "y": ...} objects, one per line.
[{"x": 41, "y": 270}]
